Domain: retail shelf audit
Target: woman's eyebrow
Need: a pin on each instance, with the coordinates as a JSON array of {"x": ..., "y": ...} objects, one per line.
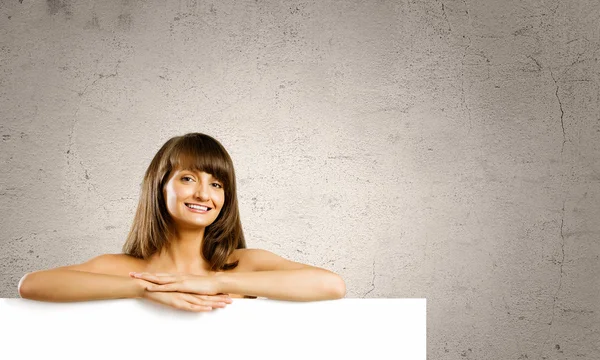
[
  {"x": 198, "y": 172},
  {"x": 189, "y": 170}
]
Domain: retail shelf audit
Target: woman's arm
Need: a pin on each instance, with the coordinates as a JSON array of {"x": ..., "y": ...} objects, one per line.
[
  {"x": 294, "y": 285},
  {"x": 93, "y": 280},
  {"x": 275, "y": 277}
]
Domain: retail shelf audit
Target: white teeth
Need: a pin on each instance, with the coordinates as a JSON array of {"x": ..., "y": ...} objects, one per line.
[{"x": 203, "y": 208}]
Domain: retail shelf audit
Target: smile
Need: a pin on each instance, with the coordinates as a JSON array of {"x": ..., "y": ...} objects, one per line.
[{"x": 198, "y": 208}]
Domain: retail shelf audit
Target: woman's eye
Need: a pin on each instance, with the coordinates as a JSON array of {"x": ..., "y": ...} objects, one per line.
[
  {"x": 186, "y": 177},
  {"x": 217, "y": 185}
]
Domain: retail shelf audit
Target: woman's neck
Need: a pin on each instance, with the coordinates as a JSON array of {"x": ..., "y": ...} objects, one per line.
[{"x": 183, "y": 255}]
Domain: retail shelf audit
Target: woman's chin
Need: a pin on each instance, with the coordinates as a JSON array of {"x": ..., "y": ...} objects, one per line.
[{"x": 199, "y": 223}]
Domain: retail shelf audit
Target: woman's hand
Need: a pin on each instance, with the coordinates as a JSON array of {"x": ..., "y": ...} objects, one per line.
[
  {"x": 193, "y": 284},
  {"x": 188, "y": 302},
  {"x": 183, "y": 300}
]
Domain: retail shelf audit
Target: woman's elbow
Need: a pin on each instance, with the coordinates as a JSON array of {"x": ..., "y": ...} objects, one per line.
[
  {"x": 338, "y": 288},
  {"x": 22, "y": 288}
]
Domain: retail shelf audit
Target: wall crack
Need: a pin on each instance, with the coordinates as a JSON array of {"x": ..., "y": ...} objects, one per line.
[
  {"x": 562, "y": 114},
  {"x": 372, "y": 281},
  {"x": 562, "y": 261},
  {"x": 100, "y": 77},
  {"x": 462, "y": 75},
  {"x": 446, "y": 17}
]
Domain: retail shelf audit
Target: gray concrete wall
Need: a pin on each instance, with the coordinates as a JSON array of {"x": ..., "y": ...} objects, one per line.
[{"x": 447, "y": 150}]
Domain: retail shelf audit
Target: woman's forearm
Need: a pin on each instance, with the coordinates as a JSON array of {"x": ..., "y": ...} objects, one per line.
[
  {"x": 294, "y": 285},
  {"x": 70, "y": 285}
]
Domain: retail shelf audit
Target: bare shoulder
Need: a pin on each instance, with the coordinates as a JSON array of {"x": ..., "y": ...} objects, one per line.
[
  {"x": 264, "y": 260},
  {"x": 240, "y": 256},
  {"x": 110, "y": 264}
]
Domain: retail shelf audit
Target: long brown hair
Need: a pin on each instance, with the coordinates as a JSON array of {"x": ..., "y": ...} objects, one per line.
[{"x": 153, "y": 228}]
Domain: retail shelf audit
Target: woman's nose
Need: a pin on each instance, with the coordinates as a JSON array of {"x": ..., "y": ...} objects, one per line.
[{"x": 202, "y": 192}]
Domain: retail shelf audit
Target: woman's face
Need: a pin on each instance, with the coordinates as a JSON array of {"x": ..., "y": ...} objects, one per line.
[{"x": 187, "y": 195}]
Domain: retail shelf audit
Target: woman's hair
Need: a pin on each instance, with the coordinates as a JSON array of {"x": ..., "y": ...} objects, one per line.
[{"x": 153, "y": 227}]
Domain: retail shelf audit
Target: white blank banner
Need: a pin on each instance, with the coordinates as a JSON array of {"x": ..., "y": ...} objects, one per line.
[{"x": 248, "y": 328}]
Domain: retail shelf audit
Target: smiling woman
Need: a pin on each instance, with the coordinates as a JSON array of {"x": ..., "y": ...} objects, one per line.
[{"x": 186, "y": 246}]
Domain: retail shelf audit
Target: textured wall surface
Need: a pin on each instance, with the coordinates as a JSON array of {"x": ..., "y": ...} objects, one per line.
[{"x": 448, "y": 150}]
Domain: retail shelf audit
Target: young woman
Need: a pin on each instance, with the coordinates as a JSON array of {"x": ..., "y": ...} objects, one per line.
[{"x": 186, "y": 247}]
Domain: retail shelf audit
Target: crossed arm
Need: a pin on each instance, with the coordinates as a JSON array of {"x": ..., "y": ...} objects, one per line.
[{"x": 272, "y": 277}]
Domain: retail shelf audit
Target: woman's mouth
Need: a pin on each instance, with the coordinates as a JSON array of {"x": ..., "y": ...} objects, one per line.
[{"x": 200, "y": 209}]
